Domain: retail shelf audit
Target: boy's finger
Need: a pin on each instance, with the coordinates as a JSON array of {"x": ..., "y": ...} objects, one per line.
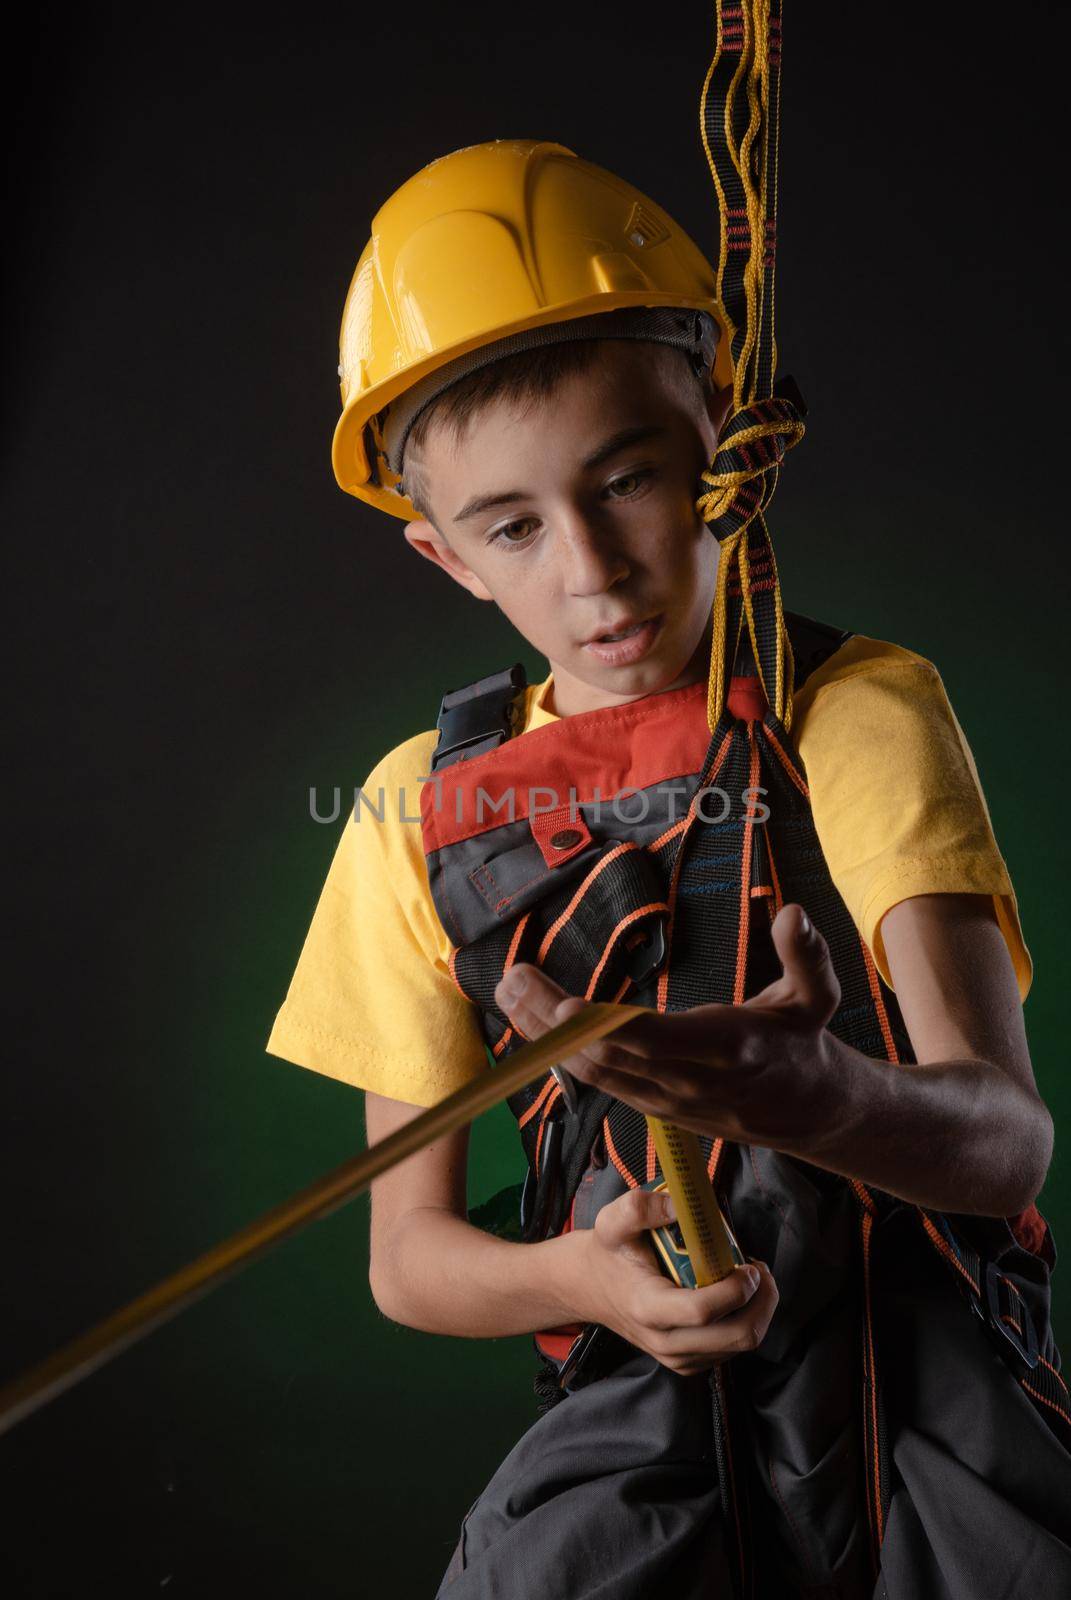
[
  {"x": 709, "y": 1034},
  {"x": 738, "y": 1329},
  {"x": 721, "y": 1299},
  {"x": 532, "y": 1001},
  {"x": 631, "y": 1216},
  {"x": 809, "y": 978},
  {"x": 642, "y": 1093},
  {"x": 705, "y": 1037},
  {"x": 526, "y": 991},
  {"x": 668, "y": 1306}
]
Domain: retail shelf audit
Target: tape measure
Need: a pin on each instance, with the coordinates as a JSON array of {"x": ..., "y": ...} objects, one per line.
[{"x": 699, "y": 1248}]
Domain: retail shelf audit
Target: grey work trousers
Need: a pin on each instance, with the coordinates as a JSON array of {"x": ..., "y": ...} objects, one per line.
[{"x": 614, "y": 1493}]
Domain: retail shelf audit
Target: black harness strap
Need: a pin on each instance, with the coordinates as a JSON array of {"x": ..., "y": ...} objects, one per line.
[{"x": 480, "y": 716}]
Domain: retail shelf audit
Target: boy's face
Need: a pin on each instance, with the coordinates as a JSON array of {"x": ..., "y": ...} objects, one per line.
[{"x": 577, "y": 517}]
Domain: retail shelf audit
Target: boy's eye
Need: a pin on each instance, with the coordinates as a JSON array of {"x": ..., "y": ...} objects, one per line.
[
  {"x": 628, "y": 482},
  {"x": 510, "y": 528},
  {"x": 627, "y": 479}
]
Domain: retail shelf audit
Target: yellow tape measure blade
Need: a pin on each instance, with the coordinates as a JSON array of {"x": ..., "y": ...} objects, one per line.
[{"x": 708, "y": 1239}]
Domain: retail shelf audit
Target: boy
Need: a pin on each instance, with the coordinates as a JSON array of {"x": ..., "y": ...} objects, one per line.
[{"x": 543, "y": 428}]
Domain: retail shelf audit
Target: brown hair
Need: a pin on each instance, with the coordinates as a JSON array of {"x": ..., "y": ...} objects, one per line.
[{"x": 525, "y": 378}]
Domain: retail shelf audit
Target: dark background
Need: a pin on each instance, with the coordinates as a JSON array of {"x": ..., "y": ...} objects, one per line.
[{"x": 202, "y": 626}]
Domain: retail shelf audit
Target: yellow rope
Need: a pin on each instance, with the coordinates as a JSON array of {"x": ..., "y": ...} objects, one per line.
[
  {"x": 716, "y": 685},
  {"x": 756, "y": 214},
  {"x": 751, "y": 19}
]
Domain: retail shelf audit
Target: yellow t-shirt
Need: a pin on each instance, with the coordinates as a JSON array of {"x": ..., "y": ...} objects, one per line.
[{"x": 898, "y": 808}]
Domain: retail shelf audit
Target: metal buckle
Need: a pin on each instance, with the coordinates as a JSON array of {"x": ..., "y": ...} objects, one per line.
[
  {"x": 1010, "y": 1317},
  {"x": 578, "y": 1355},
  {"x": 567, "y": 1085},
  {"x": 647, "y": 957},
  {"x": 537, "y": 1199},
  {"x": 528, "y": 1188}
]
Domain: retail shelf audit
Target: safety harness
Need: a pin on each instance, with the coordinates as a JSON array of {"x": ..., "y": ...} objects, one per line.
[
  {"x": 628, "y": 853},
  {"x": 641, "y": 852}
]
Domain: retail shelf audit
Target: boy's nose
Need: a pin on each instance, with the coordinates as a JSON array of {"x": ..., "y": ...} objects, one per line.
[{"x": 593, "y": 560}]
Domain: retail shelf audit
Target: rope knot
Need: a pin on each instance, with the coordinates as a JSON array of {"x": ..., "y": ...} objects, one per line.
[{"x": 743, "y": 474}]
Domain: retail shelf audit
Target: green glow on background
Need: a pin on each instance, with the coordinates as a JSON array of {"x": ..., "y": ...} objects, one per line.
[{"x": 347, "y": 1412}]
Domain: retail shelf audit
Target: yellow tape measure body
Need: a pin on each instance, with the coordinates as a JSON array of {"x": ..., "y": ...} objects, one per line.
[{"x": 699, "y": 1248}]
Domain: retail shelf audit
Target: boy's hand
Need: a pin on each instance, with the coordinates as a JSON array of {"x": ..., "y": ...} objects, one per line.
[
  {"x": 757, "y": 1073},
  {"x": 688, "y": 1330}
]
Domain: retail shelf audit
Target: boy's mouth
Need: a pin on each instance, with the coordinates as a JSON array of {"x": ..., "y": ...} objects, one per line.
[{"x": 631, "y": 642}]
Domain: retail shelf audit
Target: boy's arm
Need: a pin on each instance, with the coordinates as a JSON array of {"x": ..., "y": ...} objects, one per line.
[
  {"x": 965, "y": 1130},
  {"x": 432, "y": 1269},
  {"x": 971, "y": 1108}
]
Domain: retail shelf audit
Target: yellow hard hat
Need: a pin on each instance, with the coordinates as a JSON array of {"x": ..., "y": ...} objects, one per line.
[{"x": 486, "y": 244}]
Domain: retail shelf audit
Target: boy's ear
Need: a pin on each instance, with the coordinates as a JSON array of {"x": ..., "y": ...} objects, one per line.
[
  {"x": 427, "y": 541},
  {"x": 719, "y": 404}
]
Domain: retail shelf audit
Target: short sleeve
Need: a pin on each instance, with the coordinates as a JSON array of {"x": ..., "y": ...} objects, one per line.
[
  {"x": 895, "y": 793},
  {"x": 372, "y": 1001}
]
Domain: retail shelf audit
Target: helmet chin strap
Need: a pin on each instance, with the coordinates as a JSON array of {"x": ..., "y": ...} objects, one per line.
[{"x": 739, "y": 116}]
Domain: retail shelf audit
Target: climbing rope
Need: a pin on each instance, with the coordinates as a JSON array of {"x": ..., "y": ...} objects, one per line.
[{"x": 739, "y": 118}]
